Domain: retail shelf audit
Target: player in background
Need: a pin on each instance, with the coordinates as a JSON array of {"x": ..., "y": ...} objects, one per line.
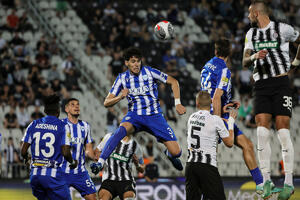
[
  {"x": 139, "y": 85},
  {"x": 117, "y": 179},
  {"x": 204, "y": 131},
  {"x": 81, "y": 139},
  {"x": 267, "y": 47},
  {"x": 50, "y": 144},
  {"x": 216, "y": 79}
]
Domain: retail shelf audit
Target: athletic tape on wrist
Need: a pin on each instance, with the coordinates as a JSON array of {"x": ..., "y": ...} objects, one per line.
[{"x": 177, "y": 101}]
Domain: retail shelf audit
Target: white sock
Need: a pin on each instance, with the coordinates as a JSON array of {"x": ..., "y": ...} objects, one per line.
[
  {"x": 266, "y": 176},
  {"x": 287, "y": 149},
  {"x": 264, "y": 151}
]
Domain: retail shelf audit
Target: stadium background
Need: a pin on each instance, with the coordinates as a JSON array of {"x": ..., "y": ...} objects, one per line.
[{"x": 74, "y": 48}]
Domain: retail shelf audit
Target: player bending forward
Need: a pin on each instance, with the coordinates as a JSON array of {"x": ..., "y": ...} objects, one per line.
[
  {"x": 203, "y": 180},
  {"x": 117, "y": 179}
]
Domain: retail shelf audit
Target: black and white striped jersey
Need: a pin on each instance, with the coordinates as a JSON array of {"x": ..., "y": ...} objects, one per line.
[
  {"x": 204, "y": 130},
  {"x": 119, "y": 165},
  {"x": 275, "y": 38}
]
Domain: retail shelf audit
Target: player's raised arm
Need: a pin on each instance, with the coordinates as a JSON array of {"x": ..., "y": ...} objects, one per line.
[
  {"x": 296, "y": 61},
  {"x": 216, "y": 101},
  {"x": 249, "y": 57},
  {"x": 112, "y": 99},
  {"x": 176, "y": 91}
]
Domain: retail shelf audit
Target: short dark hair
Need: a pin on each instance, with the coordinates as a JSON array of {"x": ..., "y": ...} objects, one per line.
[
  {"x": 223, "y": 47},
  {"x": 71, "y": 99},
  {"x": 265, "y": 6},
  {"x": 132, "y": 51},
  {"x": 51, "y": 104}
]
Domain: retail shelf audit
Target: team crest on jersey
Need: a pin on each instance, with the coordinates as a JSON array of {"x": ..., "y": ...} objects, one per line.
[
  {"x": 145, "y": 77},
  {"x": 275, "y": 35},
  {"x": 82, "y": 128}
]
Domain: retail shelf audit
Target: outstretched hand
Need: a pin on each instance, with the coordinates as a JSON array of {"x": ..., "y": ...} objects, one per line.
[{"x": 180, "y": 109}]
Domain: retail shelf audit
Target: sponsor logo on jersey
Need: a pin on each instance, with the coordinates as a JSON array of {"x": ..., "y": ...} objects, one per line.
[
  {"x": 139, "y": 91},
  {"x": 225, "y": 79},
  {"x": 127, "y": 118},
  {"x": 119, "y": 157},
  {"x": 266, "y": 45},
  {"x": 76, "y": 140}
]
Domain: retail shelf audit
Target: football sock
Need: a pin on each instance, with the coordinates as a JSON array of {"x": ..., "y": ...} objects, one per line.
[
  {"x": 287, "y": 154},
  {"x": 264, "y": 151},
  {"x": 112, "y": 142},
  {"x": 256, "y": 175}
]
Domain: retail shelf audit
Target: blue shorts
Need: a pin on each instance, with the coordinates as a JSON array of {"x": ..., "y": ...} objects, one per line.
[
  {"x": 82, "y": 182},
  {"x": 155, "y": 124},
  {"x": 47, "y": 187}
]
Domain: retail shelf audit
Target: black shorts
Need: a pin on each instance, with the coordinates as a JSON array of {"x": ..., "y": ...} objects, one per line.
[
  {"x": 203, "y": 180},
  {"x": 118, "y": 188},
  {"x": 273, "y": 96}
]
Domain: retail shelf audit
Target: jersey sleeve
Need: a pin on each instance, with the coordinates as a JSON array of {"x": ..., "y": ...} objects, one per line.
[
  {"x": 223, "y": 79},
  {"x": 117, "y": 86},
  {"x": 158, "y": 75},
  {"x": 27, "y": 135},
  {"x": 66, "y": 136},
  {"x": 103, "y": 142},
  {"x": 221, "y": 128},
  {"x": 139, "y": 154},
  {"x": 89, "y": 138},
  {"x": 289, "y": 33},
  {"x": 248, "y": 40}
]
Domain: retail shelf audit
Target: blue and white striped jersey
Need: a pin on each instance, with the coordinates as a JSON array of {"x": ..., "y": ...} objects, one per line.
[
  {"x": 143, "y": 93},
  {"x": 215, "y": 74},
  {"x": 80, "y": 134},
  {"x": 46, "y": 136}
]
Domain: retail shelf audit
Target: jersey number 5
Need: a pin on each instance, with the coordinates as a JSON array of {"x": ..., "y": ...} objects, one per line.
[{"x": 196, "y": 137}]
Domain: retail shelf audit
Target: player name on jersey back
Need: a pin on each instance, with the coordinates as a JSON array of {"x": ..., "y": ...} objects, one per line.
[{"x": 47, "y": 126}]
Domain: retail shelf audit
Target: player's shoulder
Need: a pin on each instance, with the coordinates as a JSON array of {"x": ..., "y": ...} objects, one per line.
[
  {"x": 284, "y": 26},
  {"x": 83, "y": 123}
]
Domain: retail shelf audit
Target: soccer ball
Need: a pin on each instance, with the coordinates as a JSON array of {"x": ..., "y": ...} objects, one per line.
[{"x": 164, "y": 30}]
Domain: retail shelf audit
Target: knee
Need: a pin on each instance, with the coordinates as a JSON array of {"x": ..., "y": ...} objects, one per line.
[
  {"x": 282, "y": 124},
  {"x": 248, "y": 146}
]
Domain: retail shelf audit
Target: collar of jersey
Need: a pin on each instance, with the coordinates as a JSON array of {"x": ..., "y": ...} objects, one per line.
[{"x": 268, "y": 26}]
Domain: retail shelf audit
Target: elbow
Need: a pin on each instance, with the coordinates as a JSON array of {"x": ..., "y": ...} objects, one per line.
[{"x": 106, "y": 105}]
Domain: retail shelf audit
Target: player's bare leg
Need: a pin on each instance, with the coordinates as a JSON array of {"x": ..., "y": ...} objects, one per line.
[
  {"x": 283, "y": 126},
  {"x": 173, "y": 152},
  {"x": 104, "y": 195},
  {"x": 129, "y": 195},
  {"x": 173, "y": 147},
  {"x": 90, "y": 197},
  {"x": 249, "y": 157},
  {"x": 248, "y": 151}
]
